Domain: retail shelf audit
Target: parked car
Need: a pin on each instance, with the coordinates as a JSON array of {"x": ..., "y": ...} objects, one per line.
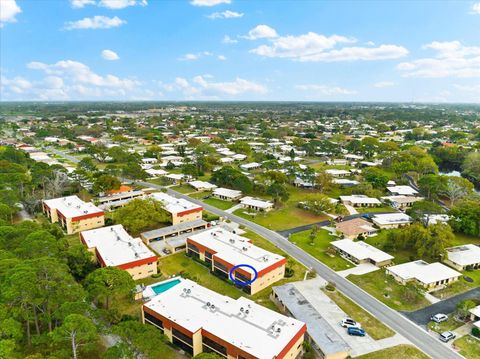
[
  {"x": 359, "y": 332},
  {"x": 447, "y": 336},
  {"x": 349, "y": 322},
  {"x": 167, "y": 251},
  {"x": 438, "y": 318},
  {"x": 366, "y": 216}
]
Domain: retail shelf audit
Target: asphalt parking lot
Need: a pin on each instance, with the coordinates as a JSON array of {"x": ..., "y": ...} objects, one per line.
[{"x": 447, "y": 306}]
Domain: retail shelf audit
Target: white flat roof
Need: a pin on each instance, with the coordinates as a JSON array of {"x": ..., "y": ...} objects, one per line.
[
  {"x": 404, "y": 190},
  {"x": 334, "y": 172},
  {"x": 72, "y": 206},
  {"x": 345, "y": 181},
  {"x": 226, "y": 192},
  {"x": 236, "y": 249},
  {"x": 476, "y": 311},
  {"x": 261, "y": 332},
  {"x": 202, "y": 184},
  {"x": 360, "y": 199},
  {"x": 115, "y": 245},
  {"x": 391, "y": 218},
  {"x": 423, "y": 271},
  {"x": 464, "y": 255},
  {"x": 172, "y": 204},
  {"x": 255, "y": 202},
  {"x": 361, "y": 250}
]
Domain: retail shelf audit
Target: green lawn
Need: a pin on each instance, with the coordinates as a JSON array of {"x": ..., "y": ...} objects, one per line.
[
  {"x": 375, "y": 328},
  {"x": 401, "y": 256},
  {"x": 375, "y": 209},
  {"x": 461, "y": 238},
  {"x": 397, "y": 352},
  {"x": 449, "y": 324},
  {"x": 319, "y": 248},
  {"x": 179, "y": 263},
  {"x": 460, "y": 286},
  {"x": 218, "y": 203},
  {"x": 387, "y": 290},
  {"x": 289, "y": 216},
  {"x": 469, "y": 346},
  {"x": 184, "y": 188}
]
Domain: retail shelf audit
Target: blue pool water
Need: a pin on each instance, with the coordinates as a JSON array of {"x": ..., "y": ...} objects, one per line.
[{"x": 162, "y": 287}]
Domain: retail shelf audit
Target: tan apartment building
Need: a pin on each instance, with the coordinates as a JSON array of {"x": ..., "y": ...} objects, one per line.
[
  {"x": 181, "y": 210},
  {"x": 73, "y": 214},
  {"x": 114, "y": 247},
  {"x": 199, "y": 320},
  {"x": 224, "y": 250}
]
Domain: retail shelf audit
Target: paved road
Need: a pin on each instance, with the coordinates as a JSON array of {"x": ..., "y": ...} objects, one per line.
[
  {"x": 305, "y": 227},
  {"x": 393, "y": 319},
  {"x": 390, "y": 317},
  {"x": 447, "y": 306}
]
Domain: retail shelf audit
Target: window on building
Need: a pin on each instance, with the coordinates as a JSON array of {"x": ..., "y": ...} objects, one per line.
[
  {"x": 214, "y": 345},
  {"x": 183, "y": 337}
]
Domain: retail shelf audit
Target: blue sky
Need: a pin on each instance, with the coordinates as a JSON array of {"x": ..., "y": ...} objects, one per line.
[{"x": 240, "y": 50}]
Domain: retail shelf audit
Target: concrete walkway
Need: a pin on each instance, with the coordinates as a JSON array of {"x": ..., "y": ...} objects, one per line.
[
  {"x": 432, "y": 299},
  {"x": 363, "y": 268},
  {"x": 234, "y": 208},
  {"x": 350, "y": 209}
]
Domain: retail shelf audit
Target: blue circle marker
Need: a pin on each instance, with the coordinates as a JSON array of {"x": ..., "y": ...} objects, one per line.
[{"x": 240, "y": 283}]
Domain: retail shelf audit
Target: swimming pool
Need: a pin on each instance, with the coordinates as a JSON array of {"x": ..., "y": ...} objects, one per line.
[{"x": 162, "y": 287}]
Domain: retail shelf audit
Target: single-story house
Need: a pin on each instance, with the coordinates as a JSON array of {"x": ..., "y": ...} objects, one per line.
[
  {"x": 202, "y": 185},
  {"x": 466, "y": 256},
  {"x": 361, "y": 252},
  {"x": 250, "y": 166},
  {"x": 428, "y": 275},
  {"x": 358, "y": 200},
  {"x": 402, "y": 190},
  {"x": 338, "y": 173},
  {"x": 354, "y": 227},
  {"x": 227, "y": 194},
  {"x": 391, "y": 220},
  {"x": 256, "y": 204},
  {"x": 401, "y": 202}
]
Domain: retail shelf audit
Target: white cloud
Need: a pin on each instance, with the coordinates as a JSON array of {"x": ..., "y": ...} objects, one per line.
[
  {"x": 72, "y": 80},
  {"x": 227, "y": 14},
  {"x": 78, "y": 4},
  {"x": 383, "y": 84},
  {"x": 221, "y": 57},
  {"x": 17, "y": 85},
  {"x": 109, "y": 4},
  {"x": 121, "y": 4},
  {"x": 79, "y": 73},
  {"x": 200, "y": 87},
  {"x": 324, "y": 90},
  {"x": 8, "y": 11},
  {"x": 316, "y": 47},
  {"x": 194, "y": 56},
  {"x": 476, "y": 8},
  {"x": 209, "y": 3},
  {"x": 452, "y": 59},
  {"x": 96, "y": 22},
  {"x": 261, "y": 32},
  {"x": 228, "y": 40},
  {"x": 110, "y": 55}
]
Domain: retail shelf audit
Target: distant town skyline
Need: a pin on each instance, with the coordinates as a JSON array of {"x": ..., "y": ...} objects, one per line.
[{"x": 240, "y": 50}]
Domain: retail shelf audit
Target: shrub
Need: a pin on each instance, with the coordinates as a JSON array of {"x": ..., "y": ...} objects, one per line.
[
  {"x": 330, "y": 286},
  {"x": 289, "y": 272},
  {"x": 476, "y": 332}
]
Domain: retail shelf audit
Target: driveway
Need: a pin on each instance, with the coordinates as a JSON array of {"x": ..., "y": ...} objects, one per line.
[
  {"x": 360, "y": 269},
  {"x": 446, "y": 306}
]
